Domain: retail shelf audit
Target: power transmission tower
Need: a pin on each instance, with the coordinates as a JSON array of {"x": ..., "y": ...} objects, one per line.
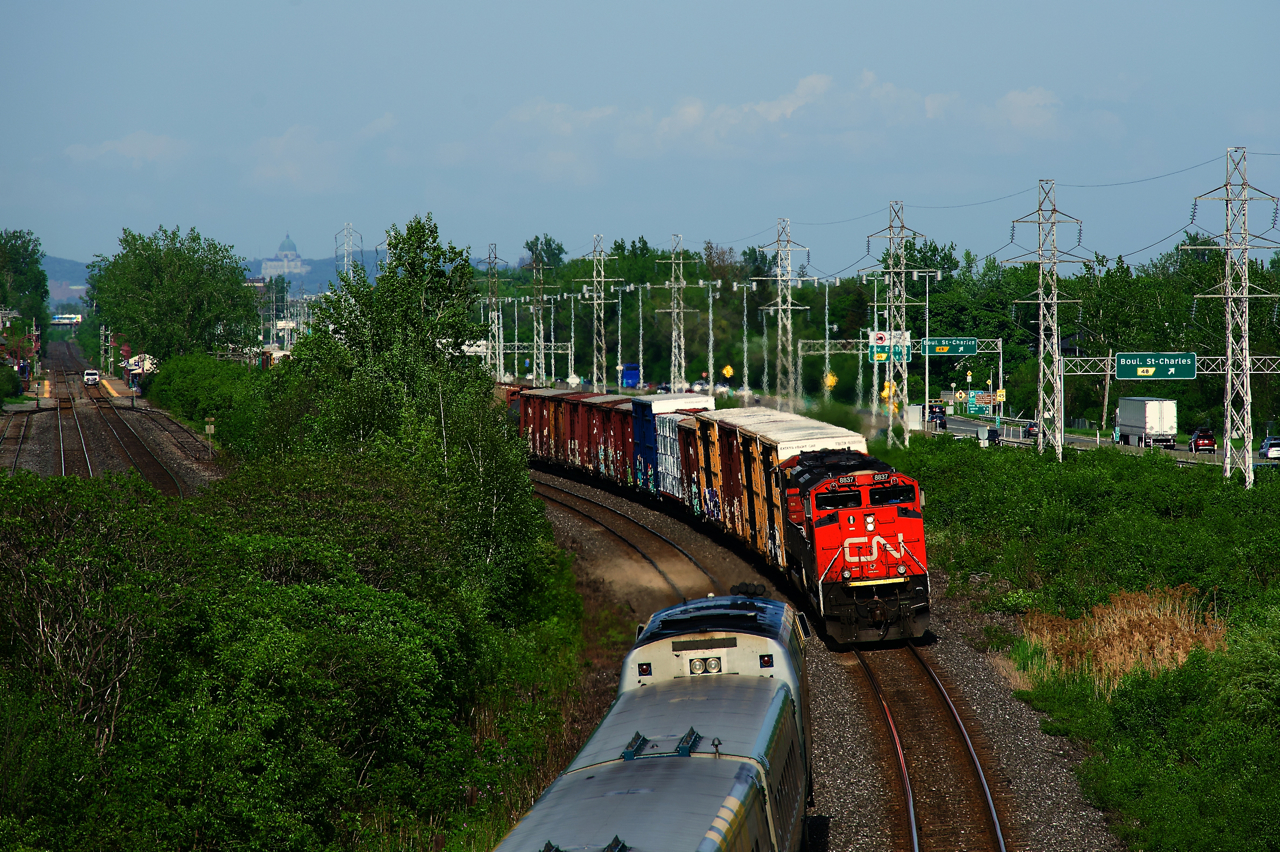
[
  {"x": 895, "y": 278},
  {"x": 1051, "y": 404},
  {"x": 1235, "y": 293},
  {"x": 596, "y": 298},
  {"x": 495, "y": 357},
  {"x": 783, "y": 306},
  {"x": 677, "y": 310},
  {"x": 347, "y": 243}
]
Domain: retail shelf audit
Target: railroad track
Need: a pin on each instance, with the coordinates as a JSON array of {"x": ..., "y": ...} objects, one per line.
[
  {"x": 12, "y": 439},
  {"x": 186, "y": 440},
  {"x": 73, "y": 449},
  {"x": 679, "y": 569},
  {"x": 129, "y": 442},
  {"x": 135, "y": 449},
  {"x": 948, "y": 803}
]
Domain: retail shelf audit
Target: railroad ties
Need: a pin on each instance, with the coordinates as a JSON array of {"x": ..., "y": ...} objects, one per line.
[{"x": 947, "y": 799}]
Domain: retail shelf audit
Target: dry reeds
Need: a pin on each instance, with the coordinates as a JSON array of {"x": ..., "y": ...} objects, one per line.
[{"x": 1152, "y": 630}]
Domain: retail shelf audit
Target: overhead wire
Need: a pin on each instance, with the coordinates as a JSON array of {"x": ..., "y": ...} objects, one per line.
[{"x": 1140, "y": 180}]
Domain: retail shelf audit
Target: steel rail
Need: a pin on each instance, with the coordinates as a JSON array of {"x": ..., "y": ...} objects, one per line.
[
  {"x": 62, "y": 451},
  {"x": 98, "y": 401},
  {"x": 897, "y": 745},
  {"x": 17, "y": 451},
  {"x": 84, "y": 446},
  {"x": 687, "y": 554},
  {"x": 968, "y": 743},
  {"x": 619, "y": 536}
]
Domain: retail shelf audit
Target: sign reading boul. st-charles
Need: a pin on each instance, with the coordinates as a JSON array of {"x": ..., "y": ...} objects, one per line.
[{"x": 1155, "y": 365}]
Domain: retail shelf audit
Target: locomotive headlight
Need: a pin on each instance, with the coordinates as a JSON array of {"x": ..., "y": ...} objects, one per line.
[
  {"x": 902, "y": 569},
  {"x": 697, "y": 666},
  {"x": 870, "y": 522},
  {"x": 713, "y": 665},
  {"x": 847, "y": 574}
]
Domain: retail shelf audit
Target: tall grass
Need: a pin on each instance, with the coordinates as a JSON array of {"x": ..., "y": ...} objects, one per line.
[{"x": 1150, "y": 630}]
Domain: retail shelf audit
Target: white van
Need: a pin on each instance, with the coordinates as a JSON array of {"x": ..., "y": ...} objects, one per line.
[{"x": 91, "y": 377}]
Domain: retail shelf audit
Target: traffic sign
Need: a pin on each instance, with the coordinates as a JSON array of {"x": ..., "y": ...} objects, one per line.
[
  {"x": 961, "y": 396},
  {"x": 1155, "y": 365},
  {"x": 1000, "y": 395},
  {"x": 881, "y": 353},
  {"x": 884, "y": 338},
  {"x": 950, "y": 345}
]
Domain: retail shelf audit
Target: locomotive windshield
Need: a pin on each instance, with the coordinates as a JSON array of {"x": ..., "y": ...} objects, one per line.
[
  {"x": 838, "y": 500},
  {"x": 893, "y": 494}
]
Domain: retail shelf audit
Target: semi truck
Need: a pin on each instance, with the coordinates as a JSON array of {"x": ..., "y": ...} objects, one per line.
[{"x": 1147, "y": 421}]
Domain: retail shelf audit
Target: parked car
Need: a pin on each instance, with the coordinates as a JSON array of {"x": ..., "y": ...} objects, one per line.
[
  {"x": 1030, "y": 430},
  {"x": 91, "y": 378},
  {"x": 1202, "y": 441},
  {"x": 1270, "y": 448}
]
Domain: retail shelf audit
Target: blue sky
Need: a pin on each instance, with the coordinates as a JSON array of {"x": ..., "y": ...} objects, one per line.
[{"x": 709, "y": 119}]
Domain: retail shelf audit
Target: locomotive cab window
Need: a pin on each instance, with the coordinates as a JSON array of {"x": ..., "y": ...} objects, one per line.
[
  {"x": 893, "y": 495},
  {"x": 839, "y": 499}
]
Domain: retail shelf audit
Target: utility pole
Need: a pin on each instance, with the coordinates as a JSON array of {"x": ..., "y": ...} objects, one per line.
[
  {"x": 784, "y": 305},
  {"x": 640, "y": 288},
  {"x": 677, "y": 310},
  {"x": 746, "y": 356},
  {"x": 599, "y": 352},
  {"x": 712, "y": 295},
  {"x": 826, "y": 341},
  {"x": 1050, "y": 407},
  {"x": 1235, "y": 243}
]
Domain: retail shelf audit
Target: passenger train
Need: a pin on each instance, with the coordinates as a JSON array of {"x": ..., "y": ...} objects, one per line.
[
  {"x": 843, "y": 526},
  {"x": 706, "y": 746}
]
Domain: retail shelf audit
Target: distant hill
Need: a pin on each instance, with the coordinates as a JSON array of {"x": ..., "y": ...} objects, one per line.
[{"x": 67, "y": 277}]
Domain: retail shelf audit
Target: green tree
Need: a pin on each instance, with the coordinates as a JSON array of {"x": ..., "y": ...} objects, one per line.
[
  {"x": 170, "y": 293},
  {"x": 24, "y": 285},
  {"x": 546, "y": 250}
]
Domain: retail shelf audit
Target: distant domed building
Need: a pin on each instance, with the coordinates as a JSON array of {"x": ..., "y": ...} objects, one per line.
[{"x": 286, "y": 262}]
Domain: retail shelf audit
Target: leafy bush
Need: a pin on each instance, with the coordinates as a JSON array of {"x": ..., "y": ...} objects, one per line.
[
  {"x": 10, "y": 382},
  {"x": 358, "y": 639}
]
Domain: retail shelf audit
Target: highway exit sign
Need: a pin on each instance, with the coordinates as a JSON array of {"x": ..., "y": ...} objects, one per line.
[
  {"x": 950, "y": 346},
  {"x": 881, "y": 353},
  {"x": 1155, "y": 365}
]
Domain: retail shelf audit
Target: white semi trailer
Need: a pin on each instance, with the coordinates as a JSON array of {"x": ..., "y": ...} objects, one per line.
[{"x": 1147, "y": 421}]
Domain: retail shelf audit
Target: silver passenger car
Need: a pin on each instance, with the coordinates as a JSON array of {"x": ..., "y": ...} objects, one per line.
[{"x": 703, "y": 763}]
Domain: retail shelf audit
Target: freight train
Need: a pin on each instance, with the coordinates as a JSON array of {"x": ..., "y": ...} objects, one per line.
[
  {"x": 706, "y": 747},
  {"x": 843, "y": 526}
]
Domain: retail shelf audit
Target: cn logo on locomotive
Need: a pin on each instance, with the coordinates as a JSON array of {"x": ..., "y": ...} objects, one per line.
[{"x": 876, "y": 543}]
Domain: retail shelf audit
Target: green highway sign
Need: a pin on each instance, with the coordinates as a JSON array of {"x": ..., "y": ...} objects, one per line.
[
  {"x": 881, "y": 353},
  {"x": 950, "y": 345},
  {"x": 1155, "y": 365}
]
